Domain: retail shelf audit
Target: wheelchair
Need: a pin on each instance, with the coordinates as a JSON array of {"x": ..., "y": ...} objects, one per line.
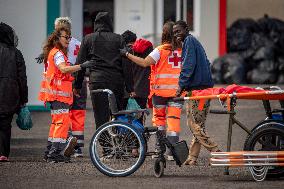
[{"x": 119, "y": 147}]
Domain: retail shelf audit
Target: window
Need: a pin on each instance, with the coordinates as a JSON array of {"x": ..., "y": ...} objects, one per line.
[{"x": 179, "y": 10}]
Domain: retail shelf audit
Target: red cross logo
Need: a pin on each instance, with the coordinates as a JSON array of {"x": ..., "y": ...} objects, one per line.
[
  {"x": 175, "y": 60},
  {"x": 77, "y": 47}
]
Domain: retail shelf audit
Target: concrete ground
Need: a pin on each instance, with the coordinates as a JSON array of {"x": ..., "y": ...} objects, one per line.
[{"x": 27, "y": 170}]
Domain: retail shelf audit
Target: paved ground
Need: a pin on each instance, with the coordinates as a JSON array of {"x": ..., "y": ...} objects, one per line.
[{"x": 27, "y": 170}]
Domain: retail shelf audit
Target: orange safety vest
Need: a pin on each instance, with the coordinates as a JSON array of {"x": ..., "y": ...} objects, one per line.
[
  {"x": 55, "y": 84},
  {"x": 165, "y": 73}
]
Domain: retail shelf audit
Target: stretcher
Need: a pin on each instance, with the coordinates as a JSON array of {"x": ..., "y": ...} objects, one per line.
[
  {"x": 258, "y": 162},
  {"x": 268, "y": 135}
]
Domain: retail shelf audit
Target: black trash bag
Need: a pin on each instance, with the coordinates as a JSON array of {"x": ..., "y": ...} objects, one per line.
[
  {"x": 280, "y": 61},
  {"x": 233, "y": 69},
  {"x": 216, "y": 70},
  {"x": 279, "y": 46},
  {"x": 264, "y": 53},
  {"x": 268, "y": 66},
  {"x": 246, "y": 23},
  {"x": 259, "y": 40},
  {"x": 240, "y": 34},
  {"x": 268, "y": 25},
  {"x": 238, "y": 39},
  {"x": 280, "y": 79},
  {"x": 247, "y": 54},
  {"x": 257, "y": 76}
]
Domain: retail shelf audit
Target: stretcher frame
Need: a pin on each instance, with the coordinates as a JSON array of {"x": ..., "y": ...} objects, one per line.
[{"x": 258, "y": 163}]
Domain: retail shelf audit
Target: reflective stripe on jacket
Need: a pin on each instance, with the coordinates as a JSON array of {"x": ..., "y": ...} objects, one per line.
[
  {"x": 55, "y": 84},
  {"x": 165, "y": 73}
]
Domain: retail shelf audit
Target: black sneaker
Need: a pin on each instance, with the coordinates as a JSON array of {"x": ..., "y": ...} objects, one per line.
[
  {"x": 45, "y": 157},
  {"x": 69, "y": 148}
]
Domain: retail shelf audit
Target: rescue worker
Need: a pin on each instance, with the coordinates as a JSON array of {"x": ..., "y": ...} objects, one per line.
[
  {"x": 195, "y": 75},
  {"x": 78, "y": 108},
  {"x": 56, "y": 89},
  {"x": 165, "y": 61}
]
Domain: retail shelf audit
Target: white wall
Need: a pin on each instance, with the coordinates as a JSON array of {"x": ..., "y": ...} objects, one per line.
[
  {"x": 209, "y": 27},
  {"x": 28, "y": 18},
  {"x": 136, "y": 16},
  {"x": 74, "y": 10}
]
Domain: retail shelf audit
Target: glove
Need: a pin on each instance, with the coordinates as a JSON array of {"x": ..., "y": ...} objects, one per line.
[
  {"x": 39, "y": 59},
  {"x": 87, "y": 64},
  {"x": 179, "y": 91},
  {"x": 124, "y": 51}
]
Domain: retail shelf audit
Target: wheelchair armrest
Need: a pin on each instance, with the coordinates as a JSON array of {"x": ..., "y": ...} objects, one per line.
[{"x": 127, "y": 112}]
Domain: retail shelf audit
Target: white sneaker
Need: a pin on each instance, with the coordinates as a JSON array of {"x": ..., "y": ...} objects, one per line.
[
  {"x": 78, "y": 152},
  {"x": 170, "y": 157}
]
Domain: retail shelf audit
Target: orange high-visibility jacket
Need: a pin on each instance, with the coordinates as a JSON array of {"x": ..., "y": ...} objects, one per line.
[
  {"x": 165, "y": 73},
  {"x": 55, "y": 84}
]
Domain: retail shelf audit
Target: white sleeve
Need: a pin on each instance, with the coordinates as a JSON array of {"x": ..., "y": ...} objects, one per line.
[
  {"x": 58, "y": 58},
  {"x": 155, "y": 54},
  {"x": 73, "y": 49}
]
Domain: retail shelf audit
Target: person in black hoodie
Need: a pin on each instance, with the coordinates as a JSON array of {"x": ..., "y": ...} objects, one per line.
[
  {"x": 13, "y": 81},
  {"x": 108, "y": 70},
  {"x": 140, "y": 48}
]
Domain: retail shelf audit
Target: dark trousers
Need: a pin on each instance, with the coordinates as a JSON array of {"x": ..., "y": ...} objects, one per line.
[
  {"x": 5, "y": 133},
  {"x": 100, "y": 101}
]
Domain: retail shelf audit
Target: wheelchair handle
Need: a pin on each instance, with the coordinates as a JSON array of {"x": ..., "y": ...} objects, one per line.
[{"x": 111, "y": 99}]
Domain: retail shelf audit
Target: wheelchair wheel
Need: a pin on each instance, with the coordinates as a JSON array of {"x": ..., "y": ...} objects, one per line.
[
  {"x": 159, "y": 168},
  {"x": 269, "y": 136},
  {"x": 117, "y": 149}
]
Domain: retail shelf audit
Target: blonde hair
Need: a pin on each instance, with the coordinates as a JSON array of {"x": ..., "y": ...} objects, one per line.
[{"x": 62, "y": 21}]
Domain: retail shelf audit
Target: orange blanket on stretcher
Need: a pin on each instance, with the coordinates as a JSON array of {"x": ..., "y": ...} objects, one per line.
[
  {"x": 228, "y": 90},
  {"x": 241, "y": 92}
]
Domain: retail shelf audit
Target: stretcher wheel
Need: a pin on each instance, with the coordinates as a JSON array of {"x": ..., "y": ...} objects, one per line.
[
  {"x": 268, "y": 136},
  {"x": 117, "y": 149},
  {"x": 159, "y": 168}
]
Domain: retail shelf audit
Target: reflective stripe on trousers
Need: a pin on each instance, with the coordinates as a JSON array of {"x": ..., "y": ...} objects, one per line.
[
  {"x": 77, "y": 118},
  {"x": 172, "y": 117},
  {"x": 60, "y": 122}
]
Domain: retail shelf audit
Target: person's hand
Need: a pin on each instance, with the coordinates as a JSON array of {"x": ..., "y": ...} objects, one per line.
[
  {"x": 87, "y": 64},
  {"x": 124, "y": 51},
  {"x": 179, "y": 91},
  {"x": 132, "y": 94},
  {"x": 76, "y": 92},
  {"x": 40, "y": 58}
]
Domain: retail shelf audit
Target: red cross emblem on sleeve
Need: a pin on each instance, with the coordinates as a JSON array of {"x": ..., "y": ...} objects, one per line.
[
  {"x": 175, "y": 60},
  {"x": 76, "y": 50}
]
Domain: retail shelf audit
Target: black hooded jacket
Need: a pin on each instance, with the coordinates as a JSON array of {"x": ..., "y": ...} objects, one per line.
[
  {"x": 13, "y": 79},
  {"x": 103, "y": 46}
]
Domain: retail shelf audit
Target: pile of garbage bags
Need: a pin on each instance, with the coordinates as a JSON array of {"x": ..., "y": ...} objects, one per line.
[{"x": 255, "y": 53}]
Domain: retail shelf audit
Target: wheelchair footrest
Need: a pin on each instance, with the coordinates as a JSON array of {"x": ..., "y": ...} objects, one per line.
[{"x": 180, "y": 152}]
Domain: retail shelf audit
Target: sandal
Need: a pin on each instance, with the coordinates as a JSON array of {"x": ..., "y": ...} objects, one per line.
[{"x": 190, "y": 162}]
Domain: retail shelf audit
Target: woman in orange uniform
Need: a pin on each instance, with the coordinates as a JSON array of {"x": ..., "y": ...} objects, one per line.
[
  {"x": 165, "y": 62},
  {"x": 56, "y": 89}
]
